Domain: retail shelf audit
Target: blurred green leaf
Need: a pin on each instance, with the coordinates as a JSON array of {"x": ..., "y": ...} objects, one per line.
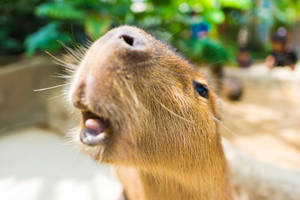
[
  {"x": 237, "y": 4},
  {"x": 215, "y": 16},
  {"x": 8, "y": 43},
  {"x": 206, "y": 50},
  {"x": 213, "y": 52},
  {"x": 59, "y": 10},
  {"x": 161, "y": 2},
  {"x": 45, "y": 38},
  {"x": 96, "y": 26}
]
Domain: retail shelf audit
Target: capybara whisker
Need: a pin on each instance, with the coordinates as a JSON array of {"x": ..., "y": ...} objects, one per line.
[
  {"x": 69, "y": 67},
  {"x": 75, "y": 54},
  {"x": 62, "y": 76},
  {"x": 52, "y": 87},
  {"x": 172, "y": 112},
  {"x": 223, "y": 125}
]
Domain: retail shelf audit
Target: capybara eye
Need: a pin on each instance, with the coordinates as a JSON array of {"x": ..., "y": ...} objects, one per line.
[{"x": 201, "y": 89}]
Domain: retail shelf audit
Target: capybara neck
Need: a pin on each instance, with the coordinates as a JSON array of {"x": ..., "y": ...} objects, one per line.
[
  {"x": 205, "y": 181},
  {"x": 206, "y": 177},
  {"x": 149, "y": 113}
]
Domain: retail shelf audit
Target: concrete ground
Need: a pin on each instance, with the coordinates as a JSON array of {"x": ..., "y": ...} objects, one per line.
[{"x": 40, "y": 165}]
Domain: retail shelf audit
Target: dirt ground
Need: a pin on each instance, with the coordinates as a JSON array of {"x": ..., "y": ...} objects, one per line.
[{"x": 266, "y": 123}]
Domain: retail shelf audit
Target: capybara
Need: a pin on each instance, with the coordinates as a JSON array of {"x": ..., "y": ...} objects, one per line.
[{"x": 150, "y": 114}]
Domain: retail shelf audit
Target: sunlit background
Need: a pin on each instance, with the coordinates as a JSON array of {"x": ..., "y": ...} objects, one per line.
[{"x": 233, "y": 42}]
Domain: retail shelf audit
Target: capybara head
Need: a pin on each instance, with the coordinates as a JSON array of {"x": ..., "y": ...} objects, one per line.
[{"x": 142, "y": 104}]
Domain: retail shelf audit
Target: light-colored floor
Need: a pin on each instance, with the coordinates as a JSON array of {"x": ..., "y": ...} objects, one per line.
[
  {"x": 39, "y": 165},
  {"x": 265, "y": 123},
  {"x": 268, "y": 134}
]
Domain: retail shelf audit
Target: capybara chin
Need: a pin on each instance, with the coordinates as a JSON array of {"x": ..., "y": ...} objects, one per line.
[{"x": 150, "y": 114}]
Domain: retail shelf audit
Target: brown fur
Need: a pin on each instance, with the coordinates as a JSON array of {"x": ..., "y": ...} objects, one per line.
[{"x": 163, "y": 136}]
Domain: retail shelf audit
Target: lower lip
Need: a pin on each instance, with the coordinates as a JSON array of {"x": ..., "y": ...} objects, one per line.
[{"x": 91, "y": 137}]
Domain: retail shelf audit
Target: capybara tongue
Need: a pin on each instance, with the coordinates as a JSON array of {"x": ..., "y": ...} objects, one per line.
[
  {"x": 95, "y": 124},
  {"x": 93, "y": 132}
]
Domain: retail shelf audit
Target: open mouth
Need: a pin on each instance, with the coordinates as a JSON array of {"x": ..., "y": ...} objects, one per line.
[{"x": 94, "y": 129}]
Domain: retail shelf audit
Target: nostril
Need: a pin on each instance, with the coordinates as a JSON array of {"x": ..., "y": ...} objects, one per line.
[
  {"x": 78, "y": 103},
  {"x": 78, "y": 97},
  {"x": 128, "y": 39}
]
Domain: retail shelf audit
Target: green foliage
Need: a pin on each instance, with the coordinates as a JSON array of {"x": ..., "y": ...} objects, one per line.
[
  {"x": 206, "y": 50},
  {"x": 212, "y": 51},
  {"x": 169, "y": 20},
  {"x": 215, "y": 16},
  {"x": 46, "y": 39},
  {"x": 8, "y": 43},
  {"x": 280, "y": 11},
  {"x": 95, "y": 26},
  {"x": 61, "y": 10},
  {"x": 237, "y": 4},
  {"x": 285, "y": 11},
  {"x": 16, "y": 22}
]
